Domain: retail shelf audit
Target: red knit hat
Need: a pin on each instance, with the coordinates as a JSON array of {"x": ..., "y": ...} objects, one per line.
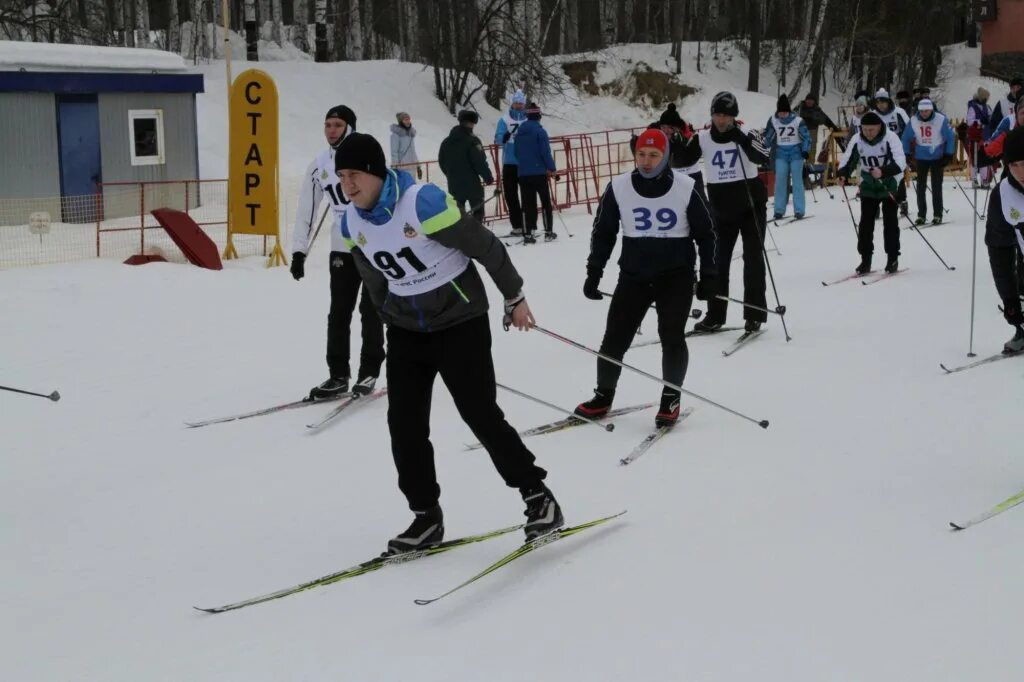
[{"x": 652, "y": 137}]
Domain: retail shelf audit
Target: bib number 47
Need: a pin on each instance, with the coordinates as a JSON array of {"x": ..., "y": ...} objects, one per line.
[{"x": 719, "y": 161}]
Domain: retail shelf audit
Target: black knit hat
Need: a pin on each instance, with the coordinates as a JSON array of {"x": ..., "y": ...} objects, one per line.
[
  {"x": 361, "y": 152},
  {"x": 671, "y": 117},
  {"x": 533, "y": 111},
  {"x": 725, "y": 103},
  {"x": 902, "y": 94},
  {"x": 467, "y": 116},
  {"x": 1017, "y": 80},
  {"x": 871, "y": 119},
  {"x": 1013, "y": 146},
  {"x": 344, "y": 113},
  {"x": 783, "y": 104}
]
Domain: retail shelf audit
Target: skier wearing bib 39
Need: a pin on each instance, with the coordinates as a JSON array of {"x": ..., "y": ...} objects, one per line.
[
  {"x": 791, "y": 140},
  {"x": 661, "y": 214},
  {"x": 880, "y": 154},
  {"x": 1004, "y": 226},
  {"x": 414, "y": 250},
  {"x": 739, "y": 203}
]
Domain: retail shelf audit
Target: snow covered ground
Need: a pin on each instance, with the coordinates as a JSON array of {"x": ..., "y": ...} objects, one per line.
[{"x": 815, "y": 550}]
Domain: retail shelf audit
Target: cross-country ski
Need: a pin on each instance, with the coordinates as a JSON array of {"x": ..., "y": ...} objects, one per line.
[{"x": 652, "y": 438}]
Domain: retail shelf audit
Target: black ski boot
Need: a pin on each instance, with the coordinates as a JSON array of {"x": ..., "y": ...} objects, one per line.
[
  {"x": 364, "y": 386},
  {"x": 921, "y": 220},
  {"x": 543, "y": 514},
  {"x": 936, "y": 220},
  {"x": 598, "y": 406},
  {"x": 330, "y": 389},
  {"x": 865, "y": 265},
  {"x": 427, "y": 530},
  {"x": 550, "y": 236},
  {"x": 516, "y": 232},
  {"x": 528, "y": 238},
  {"x": 1016, "y": 344},
  {"x": 707, "y": 326},
  {"x": 752, "y": 326},
  {"x": 893, "y": 264},
  {"x": 668, "y": 413}
]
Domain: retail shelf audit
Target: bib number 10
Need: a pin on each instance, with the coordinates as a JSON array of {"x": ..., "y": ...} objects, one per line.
[
  {"x": 387, "y": 262},
  {"x": 666, "y": 218}
]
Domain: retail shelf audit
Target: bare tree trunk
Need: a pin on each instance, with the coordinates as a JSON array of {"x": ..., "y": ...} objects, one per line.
[
  {"x": 142, "y": 22},
  {"x": 812, "y": 45},
  {"x": 278, "y": 22},
  {"x": 300, "y": 25},
  {"x": 128, "y": 9},
  {"x": 677, "y": 18},
  {"x": 252, "y": 49},
  {"x": 320, "y": 19},
  {"x": 754, "y": 59},
  {"x": 355, "y": 35},
  {"x": 173, "y": 28}
]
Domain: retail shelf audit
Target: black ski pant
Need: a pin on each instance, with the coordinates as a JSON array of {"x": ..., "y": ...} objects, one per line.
[
  {"x": 466, "y": 202},
  {"x": 672, "y": 293},
  {"x": 533, "y": 186},
  {"x": 751, "y": 227},
  {"x": 890, "y": 226},
  {"x": 462, "y": 356},
  {"x": 345, "y": 285},
  {"x": 1001, "y": 259},
  {"x": 510, "y": 190},
  {"x": 934, "y": 171}
]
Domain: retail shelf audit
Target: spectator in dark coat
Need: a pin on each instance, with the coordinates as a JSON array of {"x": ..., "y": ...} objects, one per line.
[{"x": 463, "y": 162}]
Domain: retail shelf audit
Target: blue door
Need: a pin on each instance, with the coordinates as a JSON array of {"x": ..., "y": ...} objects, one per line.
[{"x": 78, "y": 137}]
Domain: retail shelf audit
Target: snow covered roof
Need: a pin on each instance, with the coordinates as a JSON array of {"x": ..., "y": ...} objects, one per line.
[{"x": 17, "y": 55}]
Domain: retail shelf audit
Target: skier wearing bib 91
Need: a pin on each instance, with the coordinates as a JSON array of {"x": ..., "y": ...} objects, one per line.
[
  {"x": 791, "y": 140},
  {"x": 413, "y": 248},
  {"x": 739, "y": 203},
  {"x": 661, "y": 214},
  {"x": 879, "y": 152},
  {"x": 1004, "y": 234}
]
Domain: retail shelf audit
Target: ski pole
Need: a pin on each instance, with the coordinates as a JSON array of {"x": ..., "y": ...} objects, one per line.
[
  {"x": 494, "y": 195},
  {"x": 312, "y": 239},
  {"x": 974, "y": 255},
  {"x": 775, "y": 246},
  {"x": 966, "y": 196},
  {"x": 850, "y": 209},
  {"x": 914, "y": 227},
  {"x": 558, "y": 337},
  {"x": 736, "y": 258},
  {"x": 780, "y": 310},
  {"x": 564, "y": 226},
  {"x": 603, "y": 427},
  {"x": 53, "y": 396},
  {"x": 695, "y": 313},
  {"x": 760, "y": 234}
]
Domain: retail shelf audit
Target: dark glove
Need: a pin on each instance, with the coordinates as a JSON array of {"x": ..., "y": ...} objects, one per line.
[
  {"x": 506, "y": 138},
  {"x": 298, "y": 265},
  {"x": 488, "y": 181},
  {"x": 419, "y": 173},
  {"x": 590, "y": 286},
  {"x": 706, "y": 287},
  {"x": 1012, "y": 313},
  {"x": 736, "y": 134},
  {"x": 557, "y": 177},
  {"x": 947, "y": 159},
  {"x": 806, "y": 155}
]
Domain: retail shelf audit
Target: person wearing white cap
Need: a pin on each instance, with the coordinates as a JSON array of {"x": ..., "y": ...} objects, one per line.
[{"x": 929, "y": 144}]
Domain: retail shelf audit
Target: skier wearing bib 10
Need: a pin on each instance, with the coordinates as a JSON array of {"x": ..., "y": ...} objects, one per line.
[
  {"x": 880, "y": 154},
  {"x": 661, "y": 214},
  {"x": 414, "y": 248}
]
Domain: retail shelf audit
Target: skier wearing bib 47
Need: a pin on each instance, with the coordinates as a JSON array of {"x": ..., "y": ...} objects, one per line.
[
  {"x": 787, "y": 136},
  {"x": 879, "y": 153},
  {"x": 1004, "y": 227},
  {"x": 661, "y": 214},
  {"x": 930, "y": 137},
  {"x": 739, "y": 203},
  {"x": 414, "y": 250},
  {"x": 339, "y": 122}
]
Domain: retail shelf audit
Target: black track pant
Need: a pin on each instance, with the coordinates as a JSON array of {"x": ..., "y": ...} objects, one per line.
[
  {"x": 729, "y": 231},
  {"x": 345, "y": 284},
  {"x": 533, "y": 186},
  {"x": 890, "y": 226},
  {"x": 1002, "y": 258},
  {"x": 510, "y": 190},
  {"x": 467, "y": 202},
  {"x": 934, "y": 171},
  {"x": 672, "y": 294},
  {"x": 462, "y": 356}
]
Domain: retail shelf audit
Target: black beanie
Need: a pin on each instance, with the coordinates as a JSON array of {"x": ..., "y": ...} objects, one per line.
[
  {"x": 533, "y": 111},
  {"x": 467, "y": 116},
  {"x": 725, "y": 103},
  {"x": 362, "y": 153},
  {"x": 344, "y": 113},
  {"x": 783, "y": 104},
  {"x": 1013, "y": 146},
  {"x": 671, "y": 117},
  {"x": 871, "y": 119},
  {"x": 1017, "y": 81}
]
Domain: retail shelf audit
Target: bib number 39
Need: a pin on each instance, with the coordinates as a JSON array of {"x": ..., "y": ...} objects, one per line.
[
  {"x": 665, "y": 217},
  {"x": 387, "y": 262}
]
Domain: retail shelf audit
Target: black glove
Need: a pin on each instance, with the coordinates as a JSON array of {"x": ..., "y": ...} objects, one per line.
[
  {"x": 805, "y": 155},
  {"x": 590, "y": 286},
  {"x": 506, "y": 138},
  {"x": 419, "y": 173},
  {"x": 947, "y": 159},
  {"x": 736, "y": 134},
  {"x": 488, "y": 181},
  {"x": 298, "y": 265},
  {"x": 706, "y": 286}
]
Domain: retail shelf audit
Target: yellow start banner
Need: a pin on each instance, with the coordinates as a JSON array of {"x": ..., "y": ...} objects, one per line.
[{"x": 253, "y": 156}]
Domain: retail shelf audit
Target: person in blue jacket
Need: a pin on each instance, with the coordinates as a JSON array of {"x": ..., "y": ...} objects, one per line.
[
  {"x": 790, "y": 140},
  {"x": 536, "y": 165},
  {"x": 929, "y": 144},
  {"x": 505, "y": 135}
]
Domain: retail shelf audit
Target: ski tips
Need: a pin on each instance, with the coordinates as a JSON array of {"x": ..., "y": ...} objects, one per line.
[
  {"x": 423, "y": 602},
  {"x": 206, "y": 610},
  {"x": 953, "y": 526},
  {"x": 763, "y": 423},
  {"x": 609, "y": 427},
  {"x": 55, "y": 396}
]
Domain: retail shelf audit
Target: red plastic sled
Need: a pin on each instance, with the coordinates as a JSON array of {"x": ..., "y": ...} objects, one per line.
[{"x": 190, "y": 238}]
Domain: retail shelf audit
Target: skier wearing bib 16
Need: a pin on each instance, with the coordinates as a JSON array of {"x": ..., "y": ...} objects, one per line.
[
  {"x": 879, "y": 153},
  {"x": 930, "y": 138},
  {"x": 414, "y": 250},
  {"x": 1004, "y": 226},
  {"x": 739, "y": 203},
  {"x": 320, "y": 179},
  {"x": 661, "y": 214},
  {"x": 791, "y": 140}
]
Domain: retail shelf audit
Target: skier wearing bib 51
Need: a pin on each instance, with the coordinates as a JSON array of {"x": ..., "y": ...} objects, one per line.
[
  {"x": 661, "y": 214},
  {"x": 414, "y": 250}
]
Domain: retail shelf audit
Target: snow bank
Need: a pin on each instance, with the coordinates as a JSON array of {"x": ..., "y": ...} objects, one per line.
[{"x": 60, "y": 57}]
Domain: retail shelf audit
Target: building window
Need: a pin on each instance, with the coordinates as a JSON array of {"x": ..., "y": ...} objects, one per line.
[{"x": 146, "y": 136}]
